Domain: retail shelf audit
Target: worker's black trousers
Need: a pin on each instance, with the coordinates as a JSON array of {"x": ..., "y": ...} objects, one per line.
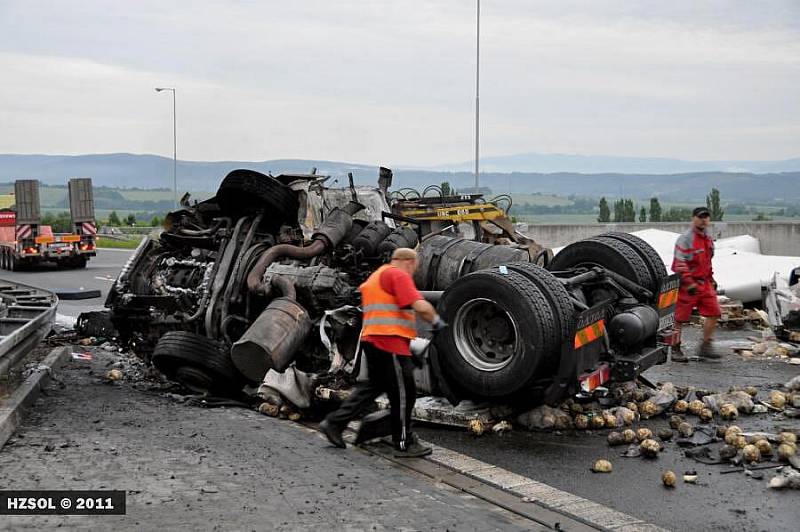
[{"x": 390, "y": 374}]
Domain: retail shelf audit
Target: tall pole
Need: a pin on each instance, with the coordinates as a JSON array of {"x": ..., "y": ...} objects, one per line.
[
  {"x": 174, "y": 153},
  {"x": 477, "y": 93},
  {"x": 174, "y": 147}
]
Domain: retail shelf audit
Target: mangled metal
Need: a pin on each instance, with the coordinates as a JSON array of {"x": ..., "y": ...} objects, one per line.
[{"x": 265, "y": 276}]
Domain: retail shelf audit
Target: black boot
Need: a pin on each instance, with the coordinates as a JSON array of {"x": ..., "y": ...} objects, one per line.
[
  {"x": 678, "y": 355},
  {"x": 333, "y": 433}
]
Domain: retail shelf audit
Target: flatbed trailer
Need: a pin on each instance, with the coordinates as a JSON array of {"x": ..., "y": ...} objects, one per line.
[{"x": 24, "y": 241}]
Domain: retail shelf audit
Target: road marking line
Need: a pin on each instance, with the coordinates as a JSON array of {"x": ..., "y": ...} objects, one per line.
[{"x": 540, "y": 493}]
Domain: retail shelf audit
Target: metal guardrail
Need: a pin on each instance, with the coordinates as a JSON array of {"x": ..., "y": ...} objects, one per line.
[
  {"x": 106, "y": 231},
  {"x": 27, "y": 314}
]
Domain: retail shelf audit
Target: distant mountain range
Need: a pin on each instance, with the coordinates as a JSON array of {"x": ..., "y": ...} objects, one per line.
[
  {"x": 601, "y": 164},
  {"x": 555, "y": 174}
]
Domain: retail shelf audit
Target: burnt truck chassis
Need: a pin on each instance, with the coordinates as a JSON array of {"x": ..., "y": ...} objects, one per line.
[{"x": 263, "y": 277}]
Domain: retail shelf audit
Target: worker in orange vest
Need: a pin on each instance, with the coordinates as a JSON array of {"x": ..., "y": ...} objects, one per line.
[{"x": 390, "y": 303}]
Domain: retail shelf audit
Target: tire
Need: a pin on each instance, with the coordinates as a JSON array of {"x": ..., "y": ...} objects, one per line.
[
  {"x": 77, "y": 263},
  {"x": 608, "y": 253},
  {"x": 507, "y": 303},
  {"x": 247, "y": 192},
  {"x": 3, "y": 256},
  {"x": 196, "y": 362},
  {"x": 558, "y": 297},
  {"x": 12, "y": 263},
  {"x": 645, "y": 251}
]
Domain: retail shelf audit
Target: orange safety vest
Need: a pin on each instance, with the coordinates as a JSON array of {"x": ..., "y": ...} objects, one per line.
[{"x": 382, "y": 316}]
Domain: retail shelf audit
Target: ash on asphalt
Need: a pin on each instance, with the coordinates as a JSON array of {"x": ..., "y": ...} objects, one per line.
[
  {"x": 717, "y": 502},
  {"x": 190, "y": 468}
]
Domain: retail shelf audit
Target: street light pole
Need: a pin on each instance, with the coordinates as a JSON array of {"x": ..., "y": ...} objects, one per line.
[
  {"x": 174, "y": 147},
  {"x": 477, "y": 93}
]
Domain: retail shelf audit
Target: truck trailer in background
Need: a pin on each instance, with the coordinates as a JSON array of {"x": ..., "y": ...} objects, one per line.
[{"x": 24, "y": 241}]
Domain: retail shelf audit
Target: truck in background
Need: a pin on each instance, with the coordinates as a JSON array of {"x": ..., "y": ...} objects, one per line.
[{"x": 24, "y": 241}]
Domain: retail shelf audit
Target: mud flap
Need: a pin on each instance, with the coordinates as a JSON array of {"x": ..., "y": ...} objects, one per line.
[
  {"x": 667, "y": 300},
  {"x": 580, "y": 355}
]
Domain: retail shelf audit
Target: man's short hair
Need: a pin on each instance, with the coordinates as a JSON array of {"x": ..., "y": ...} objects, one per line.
[
  {"x": 404, "y": 254},
  {"x": 701, "y": 211}
]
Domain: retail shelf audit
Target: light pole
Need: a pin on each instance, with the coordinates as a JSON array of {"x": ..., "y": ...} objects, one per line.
[
  {"x": 477, "y": 91},
  {"x": 174, "y": 148}
]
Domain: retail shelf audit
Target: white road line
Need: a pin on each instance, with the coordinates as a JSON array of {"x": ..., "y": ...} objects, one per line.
[{"x": 534, "y": 491}]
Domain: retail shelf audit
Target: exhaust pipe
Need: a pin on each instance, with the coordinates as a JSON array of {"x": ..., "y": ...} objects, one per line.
[
  {"x": 326, "y": 237},
  {"x": 272, "y": 341}
]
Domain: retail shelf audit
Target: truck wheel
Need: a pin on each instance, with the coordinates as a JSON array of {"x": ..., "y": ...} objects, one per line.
[
  {"x": 12, "y": 263},
  {"x": 196, "y": 362},
  {"x": 79, "y": 262},
  {"x": 3, "y": 259},
  {"x": 608, "y": 253},
  {"x": 645, "y": 251},
  {"x": 246, "y": 191},
  {"x": 556, "y": 295},
  {"x": 501, "y": 331}
]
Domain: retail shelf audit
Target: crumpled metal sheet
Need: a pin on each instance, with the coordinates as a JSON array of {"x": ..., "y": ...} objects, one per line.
[
  {"x": 338, "y": 361},
  {"x": 319, "y": 201}
]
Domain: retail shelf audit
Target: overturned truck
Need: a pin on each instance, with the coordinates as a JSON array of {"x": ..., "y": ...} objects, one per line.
[{"x": 263, "y": 278}]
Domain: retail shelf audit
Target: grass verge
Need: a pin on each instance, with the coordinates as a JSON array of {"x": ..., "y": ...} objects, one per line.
[{"x": 103, "y": 242}]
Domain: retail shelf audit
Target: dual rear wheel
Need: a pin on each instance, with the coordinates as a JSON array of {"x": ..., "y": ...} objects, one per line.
[{"x": 509, "y": 323}]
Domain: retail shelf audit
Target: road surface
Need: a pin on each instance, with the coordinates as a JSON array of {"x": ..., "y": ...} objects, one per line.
[
  {"x": 717, "y": 502},
  {"x": 99, "y": 273}
]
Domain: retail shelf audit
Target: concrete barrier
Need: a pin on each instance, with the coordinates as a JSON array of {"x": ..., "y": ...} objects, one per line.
[{"x": 777, "y": 238}]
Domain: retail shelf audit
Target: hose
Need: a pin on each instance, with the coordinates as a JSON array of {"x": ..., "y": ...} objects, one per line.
[
  {"x": 280, "y": 251},
  {"x": 203, "y": 232},
  {"x": 328, "y": 235},
  {"x": 232, "y": 277}
]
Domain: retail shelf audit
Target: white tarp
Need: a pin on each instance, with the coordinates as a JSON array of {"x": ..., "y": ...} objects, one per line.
[{"x": 739, "y": 267}]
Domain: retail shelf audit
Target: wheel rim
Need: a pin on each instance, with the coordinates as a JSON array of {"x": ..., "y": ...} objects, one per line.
[{"x": 486, "y": 335}]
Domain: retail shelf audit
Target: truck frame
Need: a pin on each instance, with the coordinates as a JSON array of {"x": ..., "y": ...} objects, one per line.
[{"x": 262, "y": 279}]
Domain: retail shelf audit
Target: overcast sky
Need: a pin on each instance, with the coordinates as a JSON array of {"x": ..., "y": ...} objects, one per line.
[{"x": 393, "y": 82}]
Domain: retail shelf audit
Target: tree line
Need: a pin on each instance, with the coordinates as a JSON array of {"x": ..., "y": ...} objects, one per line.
[{"x": 624, "y": 210}]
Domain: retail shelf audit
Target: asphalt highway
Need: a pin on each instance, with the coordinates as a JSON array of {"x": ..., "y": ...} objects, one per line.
[
  {"x": 99, "y": 274},
  {"x": 717, "y": 502}
]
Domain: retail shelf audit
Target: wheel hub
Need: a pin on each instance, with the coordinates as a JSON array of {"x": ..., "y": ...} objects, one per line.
[{"x": 486, "y": 335}]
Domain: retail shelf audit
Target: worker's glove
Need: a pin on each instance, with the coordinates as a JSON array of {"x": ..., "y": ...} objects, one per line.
[
  {"x": 692, "y": 289},
  {"x": 438, "y": 324}
]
